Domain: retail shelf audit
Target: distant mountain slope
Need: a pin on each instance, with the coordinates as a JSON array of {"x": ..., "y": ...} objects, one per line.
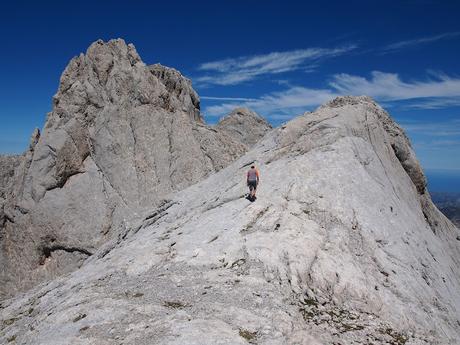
[
  {"x": 244, "y": 125},
  {"x": 449, "y": 204},
  {"x": 342, "y": 246}
]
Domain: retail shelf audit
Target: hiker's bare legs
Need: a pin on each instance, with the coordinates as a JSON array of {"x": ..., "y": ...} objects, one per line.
[{"x": 252, "y": 188}]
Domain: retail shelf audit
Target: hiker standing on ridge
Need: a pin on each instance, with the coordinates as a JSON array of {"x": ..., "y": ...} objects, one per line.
[{"x": 252, "y": 180}]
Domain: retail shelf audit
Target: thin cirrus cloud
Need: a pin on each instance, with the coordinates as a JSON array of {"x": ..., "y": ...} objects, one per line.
[
  {"x": 389, "y": 86},
  {"x": 440, "y": 129},
  {"x": 435, "y": 103},
  {"x": 278, "y": 105},
  {"x": 431, "y": 135},
  {"x": 227, "y": 98},
  {"x": 234, "y": 71},
  {"x": 418, "y": 41},
  {"x": 386, "y": 87}
]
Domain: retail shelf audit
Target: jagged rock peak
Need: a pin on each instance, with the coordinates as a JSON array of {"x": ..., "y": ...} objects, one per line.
[
  {"x": 112, "y": 74},
  {"x": 243, "y": 112},
  {"x": 341, "y": 101},
  {"x": 180, "y": 86},
  {"x": 245, "y": 125},
  {"x": 100, "y": 59},
  {"x": 34, "y": 138},
  {"x": 121, "y": 136}
]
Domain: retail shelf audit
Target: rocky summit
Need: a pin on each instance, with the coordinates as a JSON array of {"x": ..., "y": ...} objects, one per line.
[
  {"x": 121, "y": 137},
  {"x": 244, "y": 125},
  {"x": 342, "y": 246}
]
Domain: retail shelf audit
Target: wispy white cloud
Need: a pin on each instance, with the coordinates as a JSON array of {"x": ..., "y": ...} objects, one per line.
[
  {"x": 381, "y": 86},
  {"x": 234, "y": 71},
  {"x": 389, "y": 86},
  {"x": 446, "y": 143},
  {"x": 280, "y": 104},
  {"x": 235, "y": 99},
  {"x": 434, "y": 135},
  {"x": 418, "y": 41},
  {"x": 443, "y": 146},
  {"x": 435, "y": 103},
  {"x": 438, "y": 129}
]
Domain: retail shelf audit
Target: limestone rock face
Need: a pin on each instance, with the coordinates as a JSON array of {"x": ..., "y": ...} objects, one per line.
[
  {"x": 244, "y": 125},
  {"x": 343, "y": 245},
  {"x": 12, "y": 172},
  {"x": 120, "y": 138},
  {"x": 8, "y": 166}
]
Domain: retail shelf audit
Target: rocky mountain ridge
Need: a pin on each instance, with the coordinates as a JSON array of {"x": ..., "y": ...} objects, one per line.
[
  {"x": 121, "y": 137},
  {"x": 244, "y": 125},
  {"x": 343, "y": 245}
]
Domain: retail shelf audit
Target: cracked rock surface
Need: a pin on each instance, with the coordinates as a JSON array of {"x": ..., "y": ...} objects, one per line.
[
  {"x": 342, "y": 246},
  {"x": 121, "y": 137}
]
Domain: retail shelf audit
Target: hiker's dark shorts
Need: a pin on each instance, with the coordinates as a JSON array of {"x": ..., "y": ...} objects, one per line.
[{"x": 252, "y": 185}]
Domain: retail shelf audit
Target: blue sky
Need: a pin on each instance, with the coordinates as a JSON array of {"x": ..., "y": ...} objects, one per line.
[{"x": 280, "y": 58}]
